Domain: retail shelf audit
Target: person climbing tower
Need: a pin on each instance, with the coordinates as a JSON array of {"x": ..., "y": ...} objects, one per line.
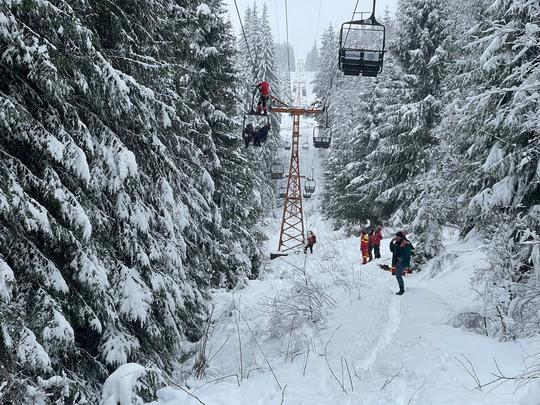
[{"x": 264, "y": 97}]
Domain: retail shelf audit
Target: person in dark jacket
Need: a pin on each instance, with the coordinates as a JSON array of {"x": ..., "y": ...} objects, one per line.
[
  {"x": 311, "y": 240},
  {"x": 262, "y": 134},
  {"x": 404, "y": 252},
  {"x": 394, "y": 245},
  {"x": 249, "y": 134}
]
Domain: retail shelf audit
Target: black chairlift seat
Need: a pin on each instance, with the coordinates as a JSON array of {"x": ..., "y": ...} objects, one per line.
[
  {"x": 287, "y": 145},
  {"x": 307, "y": 195},
  {"x": 309, "y": 186},
  {"x": 362, "y": 47},
  {"x": 321, "y": 140},
  {"x": 276, "y": 171}
]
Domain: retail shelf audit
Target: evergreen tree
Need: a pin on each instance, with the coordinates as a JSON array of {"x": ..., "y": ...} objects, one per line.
[
  {"x": 114, "y": 145},
  {"x": 312, "y": 59},
  {"x": 283, "y": 49},
  {"x": 496, "y": 140},
  {"x": 400, "y": 144},
  {"x": 324, "y": 80}
]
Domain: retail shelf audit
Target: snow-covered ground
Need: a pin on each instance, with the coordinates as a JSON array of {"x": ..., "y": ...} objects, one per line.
[
  {"x": 365, "y": 346},
  {"x": 323, "y": 329}
]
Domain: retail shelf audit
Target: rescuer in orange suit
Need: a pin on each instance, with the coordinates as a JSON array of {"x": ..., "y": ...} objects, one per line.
[{"x": 364, "y": 246}]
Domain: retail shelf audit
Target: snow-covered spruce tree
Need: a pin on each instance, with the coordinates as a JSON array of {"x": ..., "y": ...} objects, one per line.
[
  {"x": 265, "y": 60},
  {"x": 107, "y": 203},
  {"x": 312, "y": 59},
  {"x": 237, "y": 180},
  {"x": 395, "y": 182},
  {"x": 324, "y": 79},
  {"x": 497, "y": 141},
  {"x": 355, "y": 109},
  {"x": 283, "y": 49},
  {"x": 261, "y": 65}
]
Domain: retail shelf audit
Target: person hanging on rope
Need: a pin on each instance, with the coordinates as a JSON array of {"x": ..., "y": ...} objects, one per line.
[
  {"x": 364, "y": 246},
  {"x": 264, "y": 97},
  {"x": 261, "y": 134},
  {"x": 249, "y": 134},
  {"x": 310, "y": 241}
]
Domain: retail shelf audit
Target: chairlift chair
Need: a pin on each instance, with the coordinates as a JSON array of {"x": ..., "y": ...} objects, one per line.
[
  {"x": 362, "y": 47},
  {"x": 307, "y": 195},
  {"x": 256, "y": 122},
  {"x": 309, "y": 186},
  {"x": 305, "y": 144},
  {"x": 283, "y": 190},
  {"x": 322, "y": 137},
  {"x": 287, "y": 145},
  {"x": 276, "y": 171}
]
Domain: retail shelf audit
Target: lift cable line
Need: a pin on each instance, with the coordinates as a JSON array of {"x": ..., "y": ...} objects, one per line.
[
  {"x": 334, "y": 74},
  {"x": 245, "y": 38},
  {"x": 277, "y": 22},
  {"x": 288, "y": 46},
  {"x": 318, "y": 21},
  {"x": 353, "y": 14}
]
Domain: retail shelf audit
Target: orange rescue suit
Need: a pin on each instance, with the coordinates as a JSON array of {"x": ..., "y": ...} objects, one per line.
[{"x": 364, "y": 247}]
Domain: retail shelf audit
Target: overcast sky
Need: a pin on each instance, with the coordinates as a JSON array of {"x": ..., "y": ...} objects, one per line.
[{"x": 303, "y": 15}]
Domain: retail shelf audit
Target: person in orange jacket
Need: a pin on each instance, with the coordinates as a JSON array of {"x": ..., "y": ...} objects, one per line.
[
  {"x": 370, "y": 250},
  {"x": 364, "y": 246}
]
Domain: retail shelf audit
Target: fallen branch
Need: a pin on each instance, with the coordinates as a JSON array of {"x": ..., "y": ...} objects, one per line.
[
  {"x": 219, "y": 379},
  {"x": 283, "y": 395},
  {"x": 328, "y": 363},
  {"x": 389, "y": 380},
  {"x": 261, "y": 349},
  {"x": 350, "y": 378}
]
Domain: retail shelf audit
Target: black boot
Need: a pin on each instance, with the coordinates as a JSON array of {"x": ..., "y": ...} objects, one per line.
[{"x": 400, "y": 292}]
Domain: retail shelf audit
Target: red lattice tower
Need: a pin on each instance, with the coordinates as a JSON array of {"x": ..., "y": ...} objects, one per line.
[{"x": 292, "y": 223}]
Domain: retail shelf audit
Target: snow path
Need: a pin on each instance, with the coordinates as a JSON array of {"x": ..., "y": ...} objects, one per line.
[
  {"x": 399, "y": 350},
  {"x": 268, "y": 344}
]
